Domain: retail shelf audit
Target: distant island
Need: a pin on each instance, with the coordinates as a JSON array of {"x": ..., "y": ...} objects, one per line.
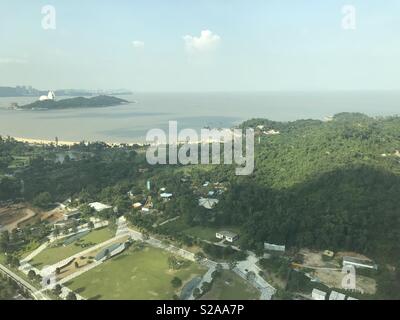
[
  {"x": 28, "y": 91},
  {"x": 73, "y": 103}
]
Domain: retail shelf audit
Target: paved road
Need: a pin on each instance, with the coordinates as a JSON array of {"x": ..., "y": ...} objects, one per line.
[{"x": 37, "y": 295}]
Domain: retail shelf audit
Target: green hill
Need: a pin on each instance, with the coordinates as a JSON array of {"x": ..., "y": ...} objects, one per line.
[
  {"x": 322, "y": 185},
  {"x": 79, "y": 102}
]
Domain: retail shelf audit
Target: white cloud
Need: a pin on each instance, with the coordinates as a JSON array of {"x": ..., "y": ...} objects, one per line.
[
  {"x": 206, "y": 42},
  {"x": 138, "y": 44},
  {"x": 13, "y": 61}
]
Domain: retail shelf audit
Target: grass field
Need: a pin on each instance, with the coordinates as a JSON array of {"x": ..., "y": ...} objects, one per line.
[
  {"x": 134, "y": 275},
  {"x": 231, "y": 287},
  {"x": 58, "y": 252}
]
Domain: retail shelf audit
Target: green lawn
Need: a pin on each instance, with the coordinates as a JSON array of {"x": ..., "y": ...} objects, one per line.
[
  {"x": 58, "y": 252},
  {"x": 134, "y": 275},
  {"x": 231, "y": 287}
]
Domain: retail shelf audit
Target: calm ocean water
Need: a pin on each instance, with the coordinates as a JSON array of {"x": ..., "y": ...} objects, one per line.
[{"x": 130, "y": 122}]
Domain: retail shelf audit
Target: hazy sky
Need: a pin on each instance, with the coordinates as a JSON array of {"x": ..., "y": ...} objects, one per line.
[{"x": 201, "y": 45}]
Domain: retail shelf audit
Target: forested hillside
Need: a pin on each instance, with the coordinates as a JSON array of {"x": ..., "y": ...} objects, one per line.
[{"x": 332, "y": 184}]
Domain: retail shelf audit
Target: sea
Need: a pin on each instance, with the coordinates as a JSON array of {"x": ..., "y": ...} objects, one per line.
[{"x": 130, "y": 122}]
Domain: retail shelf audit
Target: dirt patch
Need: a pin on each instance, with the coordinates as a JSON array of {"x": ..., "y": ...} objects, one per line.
[
  {"x": 315, "y": 259},
  {"x": 54, "y": 215},
  {"x": 333, "y": 279},
  {"x": 13, "y": 216}
]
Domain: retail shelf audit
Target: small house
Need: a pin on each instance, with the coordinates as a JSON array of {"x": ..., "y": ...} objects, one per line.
[{"x": 227, "y": 235}]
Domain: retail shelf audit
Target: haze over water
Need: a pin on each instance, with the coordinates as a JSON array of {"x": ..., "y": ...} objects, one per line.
[{"x": 129, "y": 123}]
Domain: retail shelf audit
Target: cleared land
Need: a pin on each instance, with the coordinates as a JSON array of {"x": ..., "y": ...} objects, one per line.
[
  {"x": 58, "y": 252},
  {"x": 231, "y": 287},
  {"x": 201, "y": 232},
  {"x": 12, "y": 216},
  {"x": 134, "y": 275}
]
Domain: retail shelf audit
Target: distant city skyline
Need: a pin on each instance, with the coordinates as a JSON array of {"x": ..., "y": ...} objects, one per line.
[{"x": 190, "y": 46}]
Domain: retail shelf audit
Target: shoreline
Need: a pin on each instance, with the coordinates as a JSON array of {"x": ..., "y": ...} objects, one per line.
[
  {"x": 35, "y": 141},
  {"x": 69, "y": 143}
]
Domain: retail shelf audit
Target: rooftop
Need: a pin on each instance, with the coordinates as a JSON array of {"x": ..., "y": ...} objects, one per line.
[
  {"x": 228, "y": 234},
  {"x": 208, "y": 203},
  {"x": 99, "y": 206}
]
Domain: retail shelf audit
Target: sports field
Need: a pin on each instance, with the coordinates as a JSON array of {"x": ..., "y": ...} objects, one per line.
[
  {"x": 229, "y": 286},
  {"x": 57, "y": 252},
  {"x": 134, "y": 275}
]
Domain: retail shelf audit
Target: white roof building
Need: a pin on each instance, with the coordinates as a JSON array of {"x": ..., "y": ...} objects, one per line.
[
  {"x": 166, "y": 195},
  {"x": 351, "y": 298},
  {"x": 208, "y": 203},
  {"x": 50, "y": 96},
  {"x": 318, "y": 294},
  {"x": 359, "y": 263},
  {"x": 274, "y": 247},
  {"x": 337, "y": 296},
  {"x": 227, "y": 235},
  {"x": 98, "y": 206},
  {"x": 137, "y": 205}
]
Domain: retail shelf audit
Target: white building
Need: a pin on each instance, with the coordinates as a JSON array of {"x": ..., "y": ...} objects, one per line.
[
  {"x": 318, "y": 294},
  {"x": 208, "y": 203},
  {"x": 166, "y": 195},
  {"x": 50, "y": 96},
  {"x": 274, "y": 247},
  {"x": 271, "y": 132},
  {"x": 137, "y": 205},
  {"x": 227, "y": 235},
  {"x": 359, "y": 263},
  {"x": 337, "y": 296},
  {"x": 99, "y": 206}
]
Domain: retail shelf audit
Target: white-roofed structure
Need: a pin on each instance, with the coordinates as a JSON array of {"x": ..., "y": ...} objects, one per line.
[
  {"x": 166, "y": 195},
  {"x": 208, "y": 203},
  {"x": 318, "y": 294},
  {"x": 337, "y": 296},
  {"x": 227, "y": 235},
  {"x": 359, "y": 263},
  {"x": 274, "y": 247},
  {"x": 50, "y": 96},
  {"x": 98, "y": 206},
  {"x": 351, "y": 298}
]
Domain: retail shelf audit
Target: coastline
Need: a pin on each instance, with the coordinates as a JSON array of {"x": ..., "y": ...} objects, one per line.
[
  {"x": 34, "y": 141},
  {"x": 68, "y": 143}
]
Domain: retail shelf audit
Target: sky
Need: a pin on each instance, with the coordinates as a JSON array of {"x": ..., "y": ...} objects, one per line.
[{"x": 201, "y": 45}]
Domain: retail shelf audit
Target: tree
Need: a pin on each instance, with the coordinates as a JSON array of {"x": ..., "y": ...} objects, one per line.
[
  {"x": 173, "y": 263},
  {"x": 42, "y": 200},
  {"x": 176, "y": 282},
  {"x": 196, "y": 293},
  {"x": 31, "y": 274},
  {"x": 250, "y": 276},
  {"x": 206, "y": 286},
  {"x": 232, "y": 264},
  {"x": 71, "y": 296},
  {"x": 199, "y": 256},
  {"x": 57, "y": 289}
]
